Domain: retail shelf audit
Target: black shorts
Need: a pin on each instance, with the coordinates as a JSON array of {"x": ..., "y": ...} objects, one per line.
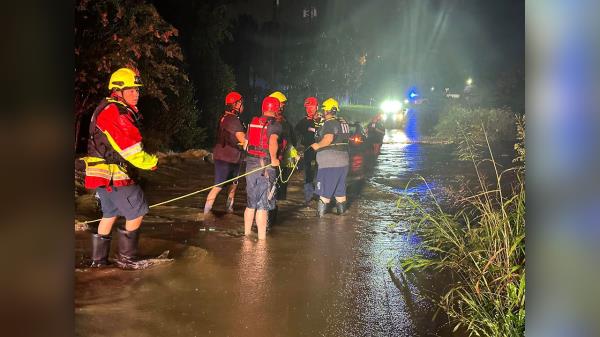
[
  {"x": 225, "y": 171},
  {"x": 127, "y": 201}
]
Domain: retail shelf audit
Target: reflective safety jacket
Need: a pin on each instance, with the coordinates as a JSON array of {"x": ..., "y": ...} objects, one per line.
[
  {"x": 341, "y": 134},
  {"x": 258, "y": 138},
  {"x": 115, "y": 146}
]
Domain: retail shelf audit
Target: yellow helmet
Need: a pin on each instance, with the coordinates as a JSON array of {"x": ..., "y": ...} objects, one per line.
[
  {"x": 124, "y": 78},
  {"x": 279, "y": 95},
  {"x": 330, "y": 104}
]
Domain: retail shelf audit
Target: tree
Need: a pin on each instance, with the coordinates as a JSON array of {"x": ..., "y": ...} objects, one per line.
[{"x": 110, "y": 34}]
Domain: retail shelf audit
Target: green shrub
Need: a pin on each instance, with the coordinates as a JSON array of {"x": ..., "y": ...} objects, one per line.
[{"x": 459, "y": 121}]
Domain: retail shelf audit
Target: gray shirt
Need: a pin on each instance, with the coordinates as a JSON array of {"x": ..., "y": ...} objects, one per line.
[
  {"x": 332, "y": 158},
  {"x": 327, "y": 158}
]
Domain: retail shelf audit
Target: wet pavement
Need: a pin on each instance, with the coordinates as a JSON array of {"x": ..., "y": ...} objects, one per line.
[{"x": 333, "y": 276}]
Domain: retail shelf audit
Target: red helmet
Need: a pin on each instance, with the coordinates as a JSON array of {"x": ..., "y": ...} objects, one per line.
[
  {"x": 232, "y": 97},
  {"x": 311, "y": 101},
  {"x": 270, "y": 104}
]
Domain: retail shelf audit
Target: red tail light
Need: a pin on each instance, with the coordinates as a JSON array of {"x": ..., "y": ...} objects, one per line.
[{"x": 356, "y": 139}]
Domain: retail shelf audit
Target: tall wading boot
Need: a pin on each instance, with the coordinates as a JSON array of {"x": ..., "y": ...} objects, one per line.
[
  {"x": 342, "y": 207},
  {"x": 321, "y": 208},
  {"x": 100, "y": 249},
  {"x": 271, "y": 218},
  {"x": 128, "y": 246}
]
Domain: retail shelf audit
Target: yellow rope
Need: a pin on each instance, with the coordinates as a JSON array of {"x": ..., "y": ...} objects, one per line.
[
  {"x": 291, "y": 172},
  {"x": 193, "y": 193}
]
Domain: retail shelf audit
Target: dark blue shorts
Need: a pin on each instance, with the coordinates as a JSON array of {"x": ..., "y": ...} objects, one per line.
[
  {"x": 331, "y": 182},
  {"x": 225, "y": 171},
  {"x": 127, "y": 201},
  {"x": 258, "y": 187}
]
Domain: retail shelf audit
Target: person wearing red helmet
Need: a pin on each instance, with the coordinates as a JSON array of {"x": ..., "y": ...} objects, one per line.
[
  {"x": 305, "y": 131},
  {"x": 263, "y": 145},
  {"x": 227, "y": 152}
]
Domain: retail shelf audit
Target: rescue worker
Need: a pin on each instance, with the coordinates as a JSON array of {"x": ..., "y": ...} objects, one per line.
[
  {"x": 227, "y": 153},
  {"x": 305, "y": 130},
  {"x": 114, "y": 152},
  {"x": 264, "y": 138},
  {"x": 289, "y": 153},
  {"x": 332, "y": 158},
  {"x": 375, "y": 133}
]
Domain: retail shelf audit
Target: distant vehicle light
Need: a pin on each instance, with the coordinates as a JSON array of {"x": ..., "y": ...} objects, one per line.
[{"x": 391, "y": 106}]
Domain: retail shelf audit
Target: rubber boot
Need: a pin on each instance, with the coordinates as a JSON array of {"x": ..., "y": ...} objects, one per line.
[
  {"x": 321, "y": 208},
  {"x": 342, "y": 207},
  {"x": 271, "y": 218},
  {"x": 100, "y": 249},
  {"x": 128, "y": 243}
]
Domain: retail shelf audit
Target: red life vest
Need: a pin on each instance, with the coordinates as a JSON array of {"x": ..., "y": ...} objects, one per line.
[{"x": 258, "y": 139}]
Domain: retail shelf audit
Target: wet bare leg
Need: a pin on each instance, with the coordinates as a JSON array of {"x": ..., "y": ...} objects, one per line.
[
  {"x": 231, "y": 196},
  {"x": 326, "y": 200},
  {"x": 132, "y": 225},
  {"x": 340, "y": 199},
  {"x": 210, "y": 199},
  {"x": 248, "y": 218},
  {"x": 105, "y": 225},
  {"x": 261, "y": 223}
]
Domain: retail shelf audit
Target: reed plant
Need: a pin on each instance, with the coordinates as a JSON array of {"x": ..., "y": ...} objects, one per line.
[{"x": 482, "y": 246}]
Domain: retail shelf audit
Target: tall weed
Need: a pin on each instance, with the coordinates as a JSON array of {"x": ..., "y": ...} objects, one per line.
[{"x": 483, "y": 247}]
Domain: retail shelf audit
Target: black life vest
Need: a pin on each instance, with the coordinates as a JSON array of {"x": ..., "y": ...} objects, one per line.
[
  {"x": 340, "y": 138},
  {"x": 98, "y": 144}
]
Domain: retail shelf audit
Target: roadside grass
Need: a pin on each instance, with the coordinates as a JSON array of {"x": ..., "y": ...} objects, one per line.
[{"x": 483, "y": 247}]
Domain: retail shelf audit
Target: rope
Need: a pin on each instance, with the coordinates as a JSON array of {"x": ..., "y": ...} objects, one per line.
[
  {"x": 284, "y": 181},
  {"x": 196, "y": 192},
  {"x": 293, "y": 168}
]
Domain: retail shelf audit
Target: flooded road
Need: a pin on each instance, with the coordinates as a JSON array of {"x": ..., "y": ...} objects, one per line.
[{"x": 332, "y": 276}]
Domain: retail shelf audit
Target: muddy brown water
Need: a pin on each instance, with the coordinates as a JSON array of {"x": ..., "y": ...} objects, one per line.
[{"x": 311, "y": 277}]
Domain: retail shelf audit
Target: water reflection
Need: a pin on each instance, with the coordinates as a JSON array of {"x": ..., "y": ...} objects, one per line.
[
  {"x": 254, "y": 285},
  {"x": 412, "y": 127}
]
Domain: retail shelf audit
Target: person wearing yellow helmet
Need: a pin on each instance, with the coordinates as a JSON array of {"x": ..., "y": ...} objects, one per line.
[
  {"x": 114, "y": 153},
  {"x": 288, "y": 139},
  {"x": 281, "y": 98},
  {"x": 332, "y": 158},
  {"x": 288, "y": 155}
]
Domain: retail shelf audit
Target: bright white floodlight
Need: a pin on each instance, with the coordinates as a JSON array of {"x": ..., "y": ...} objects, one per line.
[{"x": 391, "y": 106}]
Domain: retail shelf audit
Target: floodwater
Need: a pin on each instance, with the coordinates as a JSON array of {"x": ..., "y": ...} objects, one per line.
[{"x": 334, "y": 276}]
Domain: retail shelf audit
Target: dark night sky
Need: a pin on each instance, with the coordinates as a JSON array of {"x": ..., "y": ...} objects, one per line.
[{"x": 427, "y": 41}]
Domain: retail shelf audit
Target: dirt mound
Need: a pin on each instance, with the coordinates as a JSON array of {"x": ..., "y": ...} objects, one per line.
[{"x": 171, "y": 158}]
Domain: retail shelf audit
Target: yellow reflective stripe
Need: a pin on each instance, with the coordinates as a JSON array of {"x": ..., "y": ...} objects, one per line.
[
  {"x": 98, "y": 174},
  {"x": 142, "y": 160},
  {"x": 133, "y": 149},
  {"x": 139, "y": 159}
]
